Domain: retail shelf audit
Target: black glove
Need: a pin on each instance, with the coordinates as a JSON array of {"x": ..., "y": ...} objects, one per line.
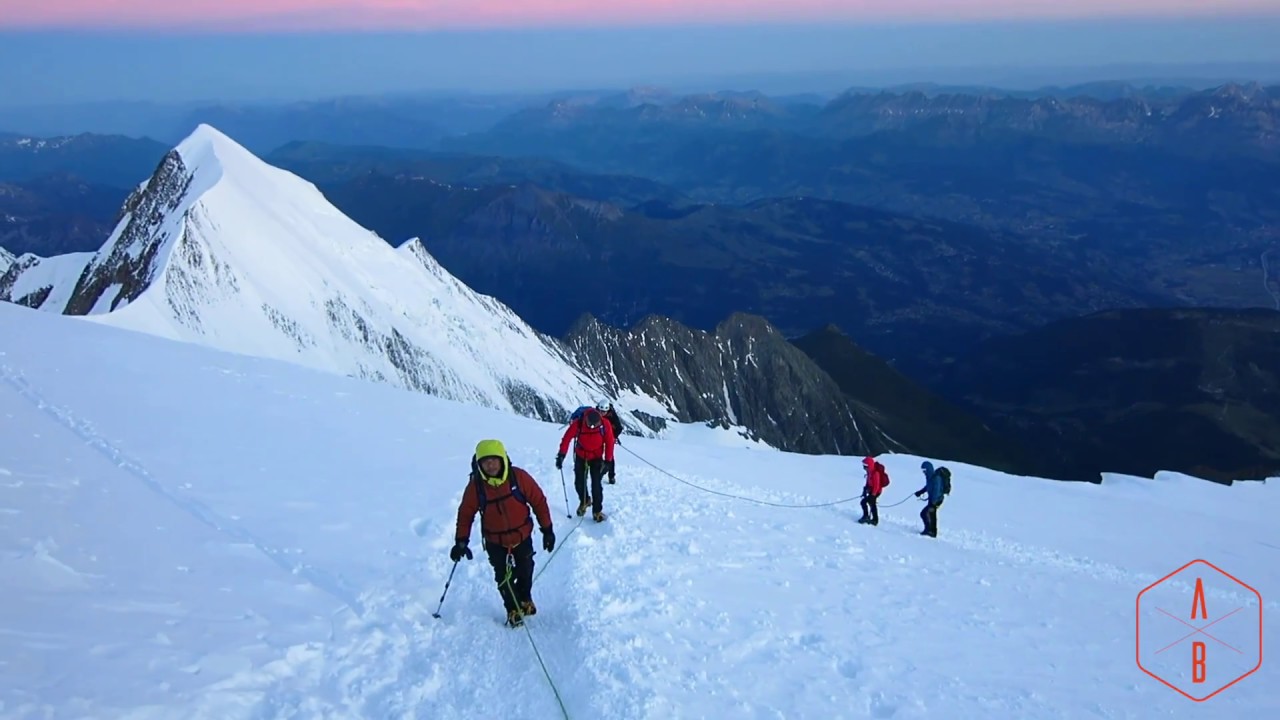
[
  {"x": 459, "y": 549},
  {"x": 548, "y": 539},
  {"x": 919, "y": 493},
  {"x": 559, "y": 461}
]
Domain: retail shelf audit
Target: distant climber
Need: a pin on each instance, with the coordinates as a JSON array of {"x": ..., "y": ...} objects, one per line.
[
  {"x": 933, "y": 484},
  {"x": 503, "y": 495},
  {"x": 593, "y": 447},
  {"x": 876, "y": 480},
  {"x": 606, "y": 409}
]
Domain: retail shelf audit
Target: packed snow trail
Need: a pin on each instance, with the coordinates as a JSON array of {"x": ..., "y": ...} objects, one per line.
[
  {"x": 172, "y": 520},
  {"x": 648, "y": 614}
]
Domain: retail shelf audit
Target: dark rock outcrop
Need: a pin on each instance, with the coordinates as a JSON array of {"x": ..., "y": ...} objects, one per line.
[{"x": 745, "y": 374}]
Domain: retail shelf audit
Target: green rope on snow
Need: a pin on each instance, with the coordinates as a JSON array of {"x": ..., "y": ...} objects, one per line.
[
  {"x": 507, "y": 581},
  {"x": 559, "y": 546}
]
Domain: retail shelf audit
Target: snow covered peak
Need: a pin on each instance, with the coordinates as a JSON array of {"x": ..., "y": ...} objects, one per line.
[
  {"x": 206, "y": 144},
  {"x": 212, "y": 157},
  {"x": 222, "y": 249},
  {"x": 6, "y": 259}
]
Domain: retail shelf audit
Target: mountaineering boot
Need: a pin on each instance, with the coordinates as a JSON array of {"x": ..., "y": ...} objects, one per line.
[
  {"x": 599, "y": 517},
  {"x": 864, "y": 520},
  {"x": 515, "y": 618},
  {"x": 582, "y": 506},
  {"x": 529, "y": 608}
]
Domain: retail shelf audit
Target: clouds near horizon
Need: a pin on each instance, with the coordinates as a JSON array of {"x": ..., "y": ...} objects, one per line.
[{"x": 400, "y": 15}]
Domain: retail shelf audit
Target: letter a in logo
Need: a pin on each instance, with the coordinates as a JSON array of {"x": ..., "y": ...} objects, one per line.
[{"x": 1197, "y": 602}]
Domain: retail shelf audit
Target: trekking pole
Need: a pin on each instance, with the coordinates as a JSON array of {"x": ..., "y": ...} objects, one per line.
[
  {"x": 567, "y": 513},
  {"x": 436, "y": 614}
]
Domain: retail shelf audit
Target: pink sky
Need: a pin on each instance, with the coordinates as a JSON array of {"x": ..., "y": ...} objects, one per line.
[{"x": 428, "y": 14}]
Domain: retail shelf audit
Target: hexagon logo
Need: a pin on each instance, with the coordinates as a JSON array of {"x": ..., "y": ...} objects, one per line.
[{"x": 1199, "y": 630}]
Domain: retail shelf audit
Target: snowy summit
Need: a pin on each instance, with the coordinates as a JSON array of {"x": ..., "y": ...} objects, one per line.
[{"x": 222, "y": 249}]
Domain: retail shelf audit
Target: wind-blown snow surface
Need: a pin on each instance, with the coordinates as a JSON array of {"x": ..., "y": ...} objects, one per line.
[
  {"x": 225, "y": 250},
  {"x": 187, "y": 533}
]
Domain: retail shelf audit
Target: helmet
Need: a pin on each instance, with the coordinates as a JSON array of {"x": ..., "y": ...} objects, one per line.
[
  {"x": 868, "y": 461},
  {"x": 592, "y": 418},
  {"x": 603, "y": 405}
]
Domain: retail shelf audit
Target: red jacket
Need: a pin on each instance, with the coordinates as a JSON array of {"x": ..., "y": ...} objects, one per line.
[
  {"x": 875, "y": 479},
  {"x": 593, "y": 443},
  {"x": 505, "y": 521}
]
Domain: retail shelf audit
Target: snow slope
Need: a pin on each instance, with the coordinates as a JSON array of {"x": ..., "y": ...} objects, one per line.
[
  {"x": 221, "y": 249},
  {"x": 188, "y": 533}
]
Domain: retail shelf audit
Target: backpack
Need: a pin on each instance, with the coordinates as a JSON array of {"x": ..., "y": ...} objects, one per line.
[
  {"x": 516, "y": 492},
  {"x": 945, "y": 474},
  {"x": 576, "y": 417},
  {"x": 884, "y": 476}
]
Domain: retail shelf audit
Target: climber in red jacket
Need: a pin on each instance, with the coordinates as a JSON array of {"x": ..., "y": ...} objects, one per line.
[
  {"x": 877, "y": 479},
  {"x": 593, "y": 448}
]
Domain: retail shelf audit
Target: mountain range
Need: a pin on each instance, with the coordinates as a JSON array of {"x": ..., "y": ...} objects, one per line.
[
  {"x": 221, "y": 249},
  {"x": 926, "y": 223}
]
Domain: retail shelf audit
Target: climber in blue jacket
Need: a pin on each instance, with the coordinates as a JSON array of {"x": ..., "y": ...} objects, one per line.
[{"x": 933, "y": 486}]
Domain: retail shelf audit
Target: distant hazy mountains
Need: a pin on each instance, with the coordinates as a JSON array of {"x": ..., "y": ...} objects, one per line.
[{"x": 926, "y": 223}]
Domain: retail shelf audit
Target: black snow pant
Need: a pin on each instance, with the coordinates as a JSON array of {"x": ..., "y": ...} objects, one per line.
[
  {"x": 930, "y": 516},
  {"x": 869, "y": 508},
  {"x": 521, "y": 575},
  {"x": 580, "y": 467}
]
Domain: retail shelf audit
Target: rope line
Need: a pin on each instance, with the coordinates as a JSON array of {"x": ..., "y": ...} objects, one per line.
[
  {"x": 740, "y": 497},
  {"x": 546, "y": 673},
  {"x": 754, "y": 500}
]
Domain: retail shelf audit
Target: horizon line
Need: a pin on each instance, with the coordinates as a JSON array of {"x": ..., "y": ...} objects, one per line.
[{"x": 391, "y": 22}]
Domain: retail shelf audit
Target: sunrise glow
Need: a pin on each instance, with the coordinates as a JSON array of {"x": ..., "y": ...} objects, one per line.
[{"x": 302, "y": 15}]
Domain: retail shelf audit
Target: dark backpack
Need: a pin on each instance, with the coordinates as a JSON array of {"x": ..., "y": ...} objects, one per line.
[
  {"x": 578, "y": 413},
  {"x": 945, "y": 474},
  {"x": 516, "y": 492}
]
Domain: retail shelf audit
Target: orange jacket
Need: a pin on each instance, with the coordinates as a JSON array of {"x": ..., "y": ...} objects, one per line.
[{"x": 505, "y": 521}]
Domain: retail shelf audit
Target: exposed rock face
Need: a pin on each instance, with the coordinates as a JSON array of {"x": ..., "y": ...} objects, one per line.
[
  {"x": 132, "y": 262},
  {"x": 744, "y": 374}
]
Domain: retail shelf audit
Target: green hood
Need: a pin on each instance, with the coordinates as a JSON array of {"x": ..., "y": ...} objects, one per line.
[{"x": 491, "y": 448}]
